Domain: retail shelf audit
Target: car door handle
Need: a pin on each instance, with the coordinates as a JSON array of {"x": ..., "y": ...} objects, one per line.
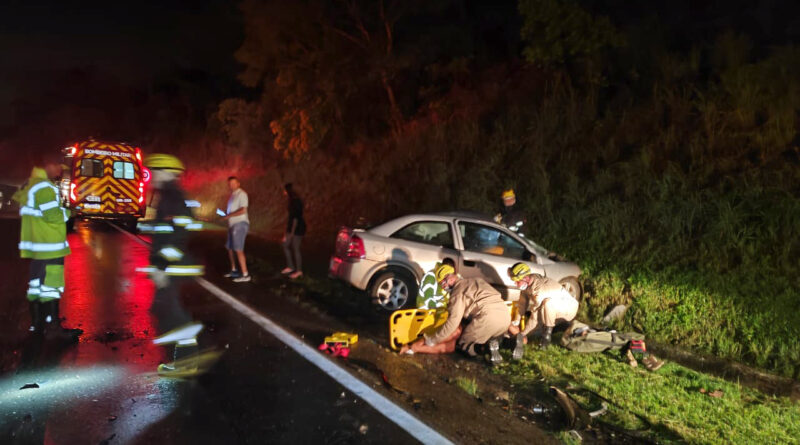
[{"x": 468, "y": 263}]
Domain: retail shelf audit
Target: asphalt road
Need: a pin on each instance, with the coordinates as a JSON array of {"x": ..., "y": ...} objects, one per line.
[{"x": 105, "y": 390}]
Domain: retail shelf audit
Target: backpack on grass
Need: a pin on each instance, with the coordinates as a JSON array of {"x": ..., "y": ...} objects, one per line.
[{"x": 580, "y": 337}]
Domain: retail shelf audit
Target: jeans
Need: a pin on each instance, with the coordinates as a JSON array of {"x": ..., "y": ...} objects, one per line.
[{"x": 292, "y": 243}]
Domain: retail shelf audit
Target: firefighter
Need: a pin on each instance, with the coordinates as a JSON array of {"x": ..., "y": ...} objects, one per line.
[
  {"x": 170, "y": 264},
  {"x": 546, "y": 300},
  {"x": 431, "y": 295},
  {"x": 43, "y": 239},
  {"x": 473, "y": 300},
  {"x": 510, "y": 214}
]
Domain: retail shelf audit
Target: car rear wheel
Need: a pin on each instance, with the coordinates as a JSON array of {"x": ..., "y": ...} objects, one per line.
[
  {"x": 392, "y": 289},
  {"x": 573, "y": 286}
]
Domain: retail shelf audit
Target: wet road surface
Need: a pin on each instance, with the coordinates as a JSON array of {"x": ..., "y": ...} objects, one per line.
[{"x": 105, "y": 390}]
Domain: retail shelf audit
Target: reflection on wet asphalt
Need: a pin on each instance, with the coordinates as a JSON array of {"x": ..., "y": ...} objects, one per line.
[{"x": 104, "y": 389}]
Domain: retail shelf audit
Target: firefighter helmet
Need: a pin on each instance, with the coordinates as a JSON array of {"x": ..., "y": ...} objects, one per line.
[
  {"x": 519, "y": 271},
  {"x": 443, "y": 271},
  {"x": 162, "y": 161},
  {"x": 508, "y": 194}
]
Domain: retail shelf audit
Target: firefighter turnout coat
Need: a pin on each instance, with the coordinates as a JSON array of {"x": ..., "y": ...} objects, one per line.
[{"x": 169, "y": 230}]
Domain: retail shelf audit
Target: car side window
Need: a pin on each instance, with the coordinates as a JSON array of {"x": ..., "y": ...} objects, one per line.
[
  {"x": 484, "y": 239},
  {"x": 435, "y": 233}
]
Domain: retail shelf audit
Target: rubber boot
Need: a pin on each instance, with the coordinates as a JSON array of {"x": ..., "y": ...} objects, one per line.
[
  {"x": 547, "y": 337},
  {"x": 52, "y": 325},
  {"x": 519, "y": 348},
  {"x": 494, "y": 352},
  {"x": 37, "y": 318}
]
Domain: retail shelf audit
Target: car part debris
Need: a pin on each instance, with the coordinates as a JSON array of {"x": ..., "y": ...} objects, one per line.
[{"x": 599, "y": 412}]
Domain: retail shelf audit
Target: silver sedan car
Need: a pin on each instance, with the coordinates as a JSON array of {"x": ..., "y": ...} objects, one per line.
[{"x": 388, "y": 261}]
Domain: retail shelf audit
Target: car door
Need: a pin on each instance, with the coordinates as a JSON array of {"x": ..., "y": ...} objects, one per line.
[
  {"x": 488, "y": 252},
  {"x": 422, "y": 244}
]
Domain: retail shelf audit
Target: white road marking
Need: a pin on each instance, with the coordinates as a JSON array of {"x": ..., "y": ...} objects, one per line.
[{"x": 402, "y": 418}]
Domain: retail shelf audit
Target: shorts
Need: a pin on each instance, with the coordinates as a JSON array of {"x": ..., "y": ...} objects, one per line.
[{"x": 236, "y": 235}]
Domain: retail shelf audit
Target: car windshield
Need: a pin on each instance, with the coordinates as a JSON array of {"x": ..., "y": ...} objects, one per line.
[{"x": 537, "y": 249}]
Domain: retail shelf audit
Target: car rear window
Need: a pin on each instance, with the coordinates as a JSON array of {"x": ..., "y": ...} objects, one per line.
[
  {"x": 435, "y": 233},
  {"x": 123, "y": 170},
  {"x": 92, "y": 168}
]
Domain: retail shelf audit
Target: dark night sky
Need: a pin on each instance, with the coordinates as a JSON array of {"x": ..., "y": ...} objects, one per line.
[{"x": 133, "y": 42}]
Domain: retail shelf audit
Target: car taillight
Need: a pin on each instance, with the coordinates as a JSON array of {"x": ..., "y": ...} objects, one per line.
[
  {"x": 141, "y": 192},
  {"x": 355, "y": 249},
  {"x": 72, "y": 196}
]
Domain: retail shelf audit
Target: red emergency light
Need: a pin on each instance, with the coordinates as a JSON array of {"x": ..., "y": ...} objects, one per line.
[{"x": 146, "y": 175}]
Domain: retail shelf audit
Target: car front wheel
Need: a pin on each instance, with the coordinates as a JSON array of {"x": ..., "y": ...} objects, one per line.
[
  {"x": 573, "y": 286},
  {"x": 392, "y": 289}
]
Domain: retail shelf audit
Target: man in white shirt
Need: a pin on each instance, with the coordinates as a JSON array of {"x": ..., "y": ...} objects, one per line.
[{"x": 238, "y": 225}]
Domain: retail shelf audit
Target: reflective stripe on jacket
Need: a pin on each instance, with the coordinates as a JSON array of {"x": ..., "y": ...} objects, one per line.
[{"x": 43, "y": 229}]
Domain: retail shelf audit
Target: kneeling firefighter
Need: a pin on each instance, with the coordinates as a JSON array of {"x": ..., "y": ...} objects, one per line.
[
  {"x": 479, "y": 304},
  {"x": 170, "y": 264},
  {"x": 545, "y": 299}
]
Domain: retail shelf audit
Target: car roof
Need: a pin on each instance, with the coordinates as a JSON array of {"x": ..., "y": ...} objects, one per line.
[
  {"x": 465, "y": 214},
  {"x": 389, "y": 227}
]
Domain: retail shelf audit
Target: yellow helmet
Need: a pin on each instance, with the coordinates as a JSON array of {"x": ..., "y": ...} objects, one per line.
[
  {"x": 162, "y": 161},
  {"x": 443, "y": 271},
  {"x": 508, "y": 194},
  {"x": 518, "y": 271}
]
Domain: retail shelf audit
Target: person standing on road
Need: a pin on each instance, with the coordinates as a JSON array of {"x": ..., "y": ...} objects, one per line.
[
  {"x": 238, "y": 225},
  {"x": 510, "y": 214},
  {"x": 43, "y": 239},
  {"x": 295, "y": 230},
  {"x": 546, "y": 300},
  {"x": 170, "y": 263},
  {"x": 477, "y": 302}
]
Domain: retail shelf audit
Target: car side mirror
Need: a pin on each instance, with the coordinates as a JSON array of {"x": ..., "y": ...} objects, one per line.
[{"x": 528, "y": 256}]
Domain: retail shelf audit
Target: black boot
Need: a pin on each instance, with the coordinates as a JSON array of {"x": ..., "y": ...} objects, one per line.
[
  {"x": 547, "y": 337},
  {"x": 52, "y": 324},
  {"x": 37, "y": 318}
]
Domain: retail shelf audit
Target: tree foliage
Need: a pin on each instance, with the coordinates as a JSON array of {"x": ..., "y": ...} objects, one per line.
[{"x": 556, "y": 31}]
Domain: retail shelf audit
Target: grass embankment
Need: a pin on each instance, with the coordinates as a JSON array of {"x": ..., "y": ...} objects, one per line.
[
  {"x": 669, "y": 400},
  {"x": 683, "y": 203},
  {"x": 663, "y": 406}
]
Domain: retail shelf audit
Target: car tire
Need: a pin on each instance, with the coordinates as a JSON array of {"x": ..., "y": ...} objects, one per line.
[
  {"x": 393, "y": 289},
  {"x": 573, "y": 286}
]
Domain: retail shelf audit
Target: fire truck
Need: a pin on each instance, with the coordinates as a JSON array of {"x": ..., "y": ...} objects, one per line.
[{"x": 105, "y": 180}]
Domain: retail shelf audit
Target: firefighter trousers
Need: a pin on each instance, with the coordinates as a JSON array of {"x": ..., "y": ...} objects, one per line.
[
  {"x": 46, "y": 280},
  {"x": 167, "y": 307}
]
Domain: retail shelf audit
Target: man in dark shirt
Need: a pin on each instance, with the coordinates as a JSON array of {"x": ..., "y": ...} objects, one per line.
[{"x": 295, "y": 230}]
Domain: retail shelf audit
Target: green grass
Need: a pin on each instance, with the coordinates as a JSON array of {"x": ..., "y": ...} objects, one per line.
[
  {"x": 469, "y": 385},
  {"x": 669, "y": 400}
]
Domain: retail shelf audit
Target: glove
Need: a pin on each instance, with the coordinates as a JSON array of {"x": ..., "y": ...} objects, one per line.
[
  {"x": 498, "y": 218},
  {"x": 160, "y": 278}
]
